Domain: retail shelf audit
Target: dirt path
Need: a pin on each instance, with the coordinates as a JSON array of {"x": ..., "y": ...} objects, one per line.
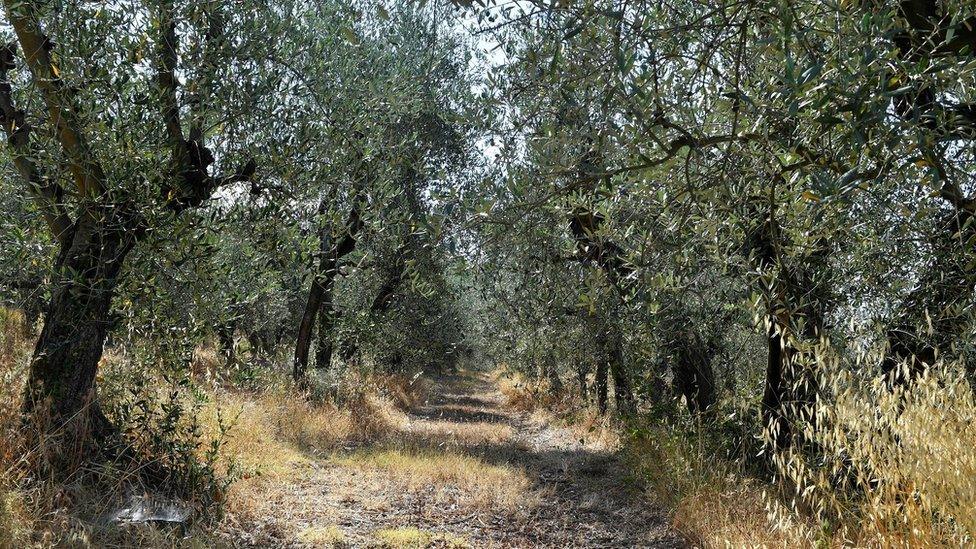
[{"x": 466, "y": 470}]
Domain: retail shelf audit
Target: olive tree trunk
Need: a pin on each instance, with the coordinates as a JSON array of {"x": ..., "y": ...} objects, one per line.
[
  {"x": 601, "y": 384},
  {"x": 77, "y": 319},
  {"x": 320, "y": 295}
]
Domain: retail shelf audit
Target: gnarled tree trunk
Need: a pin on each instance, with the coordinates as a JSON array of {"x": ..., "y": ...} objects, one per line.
[
  {"x": 304, "y": 341},
  {"x": 928, "y": 31},
  {"x": 792, "y": 295},
  {"x": 61, "y": 381},
  {"x": 581, "y": 373},
  {"x": 775, "y": 401},
  {"x": 327, "y": 315},
  {"x": 584, "y": 226},
  {"x": 551, "y": 372},
  {"x": 601, "y": 384}
]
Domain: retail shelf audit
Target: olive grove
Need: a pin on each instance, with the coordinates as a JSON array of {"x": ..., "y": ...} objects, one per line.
[{"x": 749, "y": 222}]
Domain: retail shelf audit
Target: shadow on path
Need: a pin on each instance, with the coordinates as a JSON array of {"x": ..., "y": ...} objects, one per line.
[{"x": 587, "y": 500}]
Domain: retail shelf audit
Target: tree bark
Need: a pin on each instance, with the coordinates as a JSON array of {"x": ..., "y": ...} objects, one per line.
[
  {"x": 47, "y": 193},
  {"x": 552, "y": 374},
  {"x": 304, "y": 341},
  {"x": 584, "y": 226},
  {"x": 61, "y": 380},
  {"x": 601, "y": 384},
  {"x": 324, "y": 349},
  {"x": 93, "y": 247},
  {"x": 793, "y": 295},
  {"x": 692, "y": 372},
  {"x": 623, "y": 393},
  {"x": 58, "y": 98},
  {"x": 387, "y": 291},
  {"x": 925, "y": 35},
  {"x": 321, "y": 287},
  {"x": 948, "y": 281},
  {"x": 411, "y": 247},
  {"x": 775, "y": 401}
]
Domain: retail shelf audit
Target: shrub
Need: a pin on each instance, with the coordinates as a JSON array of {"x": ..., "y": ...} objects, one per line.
[{"x": 166, "y": 442}]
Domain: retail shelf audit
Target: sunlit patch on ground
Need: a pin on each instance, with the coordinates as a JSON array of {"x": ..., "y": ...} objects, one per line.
[
  {"x": 322, "y": 536},
  {"x": 410, "y": 538}
]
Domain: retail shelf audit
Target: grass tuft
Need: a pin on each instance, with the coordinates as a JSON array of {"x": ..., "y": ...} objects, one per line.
[
  {"x": 415, "y": 538},
  {"x": 322, "y": 536}
]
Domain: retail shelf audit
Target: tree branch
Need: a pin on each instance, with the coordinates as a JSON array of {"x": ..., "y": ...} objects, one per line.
[
  {"x": 189, "y": 183},
  {"x": 46, "y": 193},
  {"x": 88, "y": 174}
]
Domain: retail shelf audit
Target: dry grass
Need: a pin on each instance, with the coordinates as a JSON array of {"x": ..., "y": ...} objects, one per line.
[
  {"x": 16, "y": 520},
  {"x": 276, "y": 439},
  {"x": 731, "y": 513},
  {"x": 404, "y": 392},
  {"x": 15, "y": 524},
  {"x": 915, "y": 493},
  {"x": 567, "y": 410},
  {"x": 368, "y": 449},
  {"x": 41, "y": 506},
  {"x": 414, "y": 538},
  {"x": 460, "y": 462},
  {"x": 894, "y": 469},
  {"x": 467, "y": 434},
  {"x": 274, "y": 428},
  {"x": 274, "y": 433},
  {"x": 898, "y": 468},
  {"x": 322, "y": 536},
  {"x": 260, "y": 435},
  {"x": 598, "y": 431},
  {"x": 206, "y": 363},
  {"x": 712, "y": 503},
  {"x": 453, "y": 476},
  {"x": 522, "y": 393}
]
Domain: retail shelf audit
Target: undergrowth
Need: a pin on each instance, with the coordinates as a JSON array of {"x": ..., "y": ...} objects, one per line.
[
  {"x": 54, "y": 495},
  {"x": 880, "y": 468},
  {"x": 206, "y": 436},
  {"x": 714, "y": 501}
]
